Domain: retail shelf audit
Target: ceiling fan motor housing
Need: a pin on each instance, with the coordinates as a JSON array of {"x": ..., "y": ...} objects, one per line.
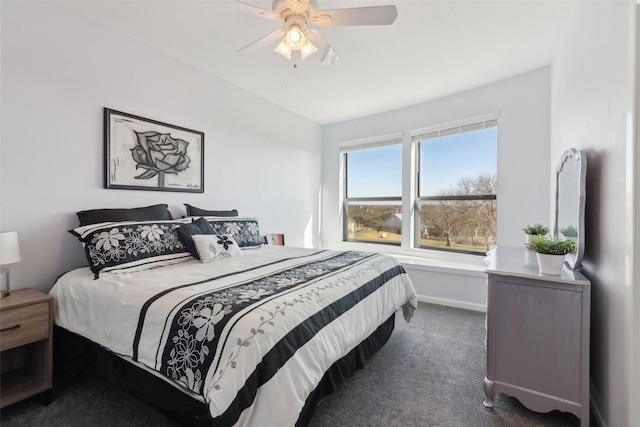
[
  {"x": 286, "y": 8},
  {"x": 299, "y": 20}
]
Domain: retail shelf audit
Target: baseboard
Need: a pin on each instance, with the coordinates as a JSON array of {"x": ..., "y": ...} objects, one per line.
[
  {"x": 453, "y": 303},
  {"x": 596, "y": 404}
]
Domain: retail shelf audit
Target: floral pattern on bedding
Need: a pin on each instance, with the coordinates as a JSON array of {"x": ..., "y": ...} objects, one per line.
[
  {"x": 130, "y": 246},
  {"x": 245, "y": 231},
  {"x": 192, "y": 342}
]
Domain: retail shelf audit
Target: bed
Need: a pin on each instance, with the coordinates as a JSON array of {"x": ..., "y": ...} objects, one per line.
[{"x": 254, "y": 338}]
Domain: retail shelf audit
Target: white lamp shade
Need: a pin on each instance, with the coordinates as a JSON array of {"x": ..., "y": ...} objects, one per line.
[{"x": 9, "y": 247}]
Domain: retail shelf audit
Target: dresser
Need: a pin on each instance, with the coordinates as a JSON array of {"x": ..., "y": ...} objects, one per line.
[
  {"x": 537, "y": 334},
  {"x": 25, "y": 346}
]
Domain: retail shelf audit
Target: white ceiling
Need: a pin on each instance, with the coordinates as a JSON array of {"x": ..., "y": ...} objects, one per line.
[{"x": 434, "y": 49}]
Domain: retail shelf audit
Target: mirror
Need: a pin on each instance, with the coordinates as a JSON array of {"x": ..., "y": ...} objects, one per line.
[{"x": 570, "y": 202}]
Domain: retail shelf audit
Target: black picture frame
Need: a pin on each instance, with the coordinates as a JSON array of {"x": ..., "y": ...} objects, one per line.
[{"x": 145, "y": 154}]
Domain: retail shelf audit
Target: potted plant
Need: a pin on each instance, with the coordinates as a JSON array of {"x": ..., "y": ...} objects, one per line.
[
  {"x": 533, "y": 231},
  {"x": 570, "y": 232},
  {"x": 550, "y": 253}
]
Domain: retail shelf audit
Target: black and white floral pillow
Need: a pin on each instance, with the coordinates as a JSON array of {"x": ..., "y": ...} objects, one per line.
[
  {"x": 216, "y": 246},
  {"x": 132, "y": 245},
  {"x": 245, "y": 231}
]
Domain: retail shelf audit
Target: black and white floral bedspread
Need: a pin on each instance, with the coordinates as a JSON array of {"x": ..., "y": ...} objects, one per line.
[{"x": 250, "y": 335}]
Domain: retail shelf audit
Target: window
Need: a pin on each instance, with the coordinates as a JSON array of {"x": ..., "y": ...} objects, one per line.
[
  {"x": 373, "y": 191},
  {"x": 457, "y": 186},
  {"x": 450, "y": 201}
]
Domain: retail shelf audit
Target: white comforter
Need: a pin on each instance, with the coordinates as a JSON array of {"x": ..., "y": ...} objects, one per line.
[{"x": 267, "y": 324}]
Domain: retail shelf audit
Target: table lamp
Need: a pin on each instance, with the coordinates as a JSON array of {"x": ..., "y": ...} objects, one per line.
[{"x": 9, "y": 253}]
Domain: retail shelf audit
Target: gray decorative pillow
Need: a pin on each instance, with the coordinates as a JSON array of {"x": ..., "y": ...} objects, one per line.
[
  {"x": 215, "y": 246},
  {"x": 132, "y": 245},
  {"x": 245, "y": 231}
]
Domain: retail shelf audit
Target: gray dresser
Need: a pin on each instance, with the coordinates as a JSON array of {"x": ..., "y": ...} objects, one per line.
[{"x": 537, "y": 334}]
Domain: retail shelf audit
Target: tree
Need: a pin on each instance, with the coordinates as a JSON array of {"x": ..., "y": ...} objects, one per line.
[
  {"x": 481, "y": 213},
  {"x": 445, "y": 216},
  {"x": 358, "y": 219},
  {"x": 464, "y": 218}
]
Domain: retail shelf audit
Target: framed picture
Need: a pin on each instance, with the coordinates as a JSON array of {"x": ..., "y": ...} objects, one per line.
[{"x": 144, "y": 154}]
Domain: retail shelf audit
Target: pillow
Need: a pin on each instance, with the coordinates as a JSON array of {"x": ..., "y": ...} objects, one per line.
[
  {"x": 186, "y": 231},
  {"x": 193, "y": 211},
  {"x": 148, "y": 213},
  {"x": 131, "y": 245},
  {"x": 215, "y": 246},
  {"x": 245, "y": 231}
]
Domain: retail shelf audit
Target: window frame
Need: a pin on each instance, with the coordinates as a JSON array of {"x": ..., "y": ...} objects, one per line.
[
  {"x": 364, "y": 144},
  {"x": 440, "y": 131},
  {"x": 409, "y": 200}
]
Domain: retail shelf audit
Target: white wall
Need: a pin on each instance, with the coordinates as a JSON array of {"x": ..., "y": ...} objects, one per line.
[
  {"x": 633, "y": 245},
  {"x": 592, "y": 110},
  {"x": 523, "y": 105},
  {"x": 58, "y": 72}
]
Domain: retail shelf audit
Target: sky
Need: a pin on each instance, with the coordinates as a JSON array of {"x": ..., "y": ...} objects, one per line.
[{"x": 444, "y": 161}]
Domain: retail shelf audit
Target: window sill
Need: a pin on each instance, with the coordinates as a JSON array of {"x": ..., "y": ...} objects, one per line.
[{"x": 423, "y": 259}]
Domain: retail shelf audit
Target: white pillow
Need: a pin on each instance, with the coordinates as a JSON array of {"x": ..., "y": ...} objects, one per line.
[{"x": 215, "y": 246}]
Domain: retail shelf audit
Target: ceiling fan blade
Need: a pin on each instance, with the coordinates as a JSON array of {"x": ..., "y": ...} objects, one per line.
[
  {"x": 374, "y": 15},
  {"x": 260, "y": 12},
  {"x": 325, "y": 52},
  {"x": 273, "y": 36}
]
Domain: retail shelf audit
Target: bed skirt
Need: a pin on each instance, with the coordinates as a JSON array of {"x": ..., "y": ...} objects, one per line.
[{"x": 74, "y": 354}]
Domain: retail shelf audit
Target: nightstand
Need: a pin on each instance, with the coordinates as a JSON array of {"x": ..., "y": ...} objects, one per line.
[{"x": 26, "y": 343}]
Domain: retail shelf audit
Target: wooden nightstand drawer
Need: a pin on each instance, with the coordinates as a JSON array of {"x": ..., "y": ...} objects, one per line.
[
  {"x": 26, "y": 344},
  {"x": 23, "y": 325}
]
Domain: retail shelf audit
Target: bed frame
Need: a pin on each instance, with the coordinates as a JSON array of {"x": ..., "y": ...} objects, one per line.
[{"x": 74, "y": 354}]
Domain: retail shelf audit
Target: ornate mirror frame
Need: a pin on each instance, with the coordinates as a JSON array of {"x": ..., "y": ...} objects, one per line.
[{"x": 571, "y": 175}]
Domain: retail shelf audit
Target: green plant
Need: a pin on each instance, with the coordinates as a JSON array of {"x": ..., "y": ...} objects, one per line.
[
  {"x": 538, "y": 229},
  {"x": 569, "y": 231},
  {"x": 545, "y": 245}
]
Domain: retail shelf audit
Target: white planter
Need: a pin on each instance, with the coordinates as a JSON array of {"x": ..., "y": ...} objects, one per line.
[
  {"x": 550, "y": 264},
  {"x": 528, "y": 238},
  {"x": 530, "y": 257}
]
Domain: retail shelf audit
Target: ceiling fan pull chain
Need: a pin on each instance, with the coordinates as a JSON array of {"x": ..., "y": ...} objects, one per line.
[{"x": 295, "y": 58}]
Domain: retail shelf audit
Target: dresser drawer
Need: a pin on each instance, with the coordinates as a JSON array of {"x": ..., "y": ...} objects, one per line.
[{"x": 23, "y": 325}]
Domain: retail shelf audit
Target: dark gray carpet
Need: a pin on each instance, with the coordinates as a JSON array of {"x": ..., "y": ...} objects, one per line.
[{"x": 429, "y": 374}]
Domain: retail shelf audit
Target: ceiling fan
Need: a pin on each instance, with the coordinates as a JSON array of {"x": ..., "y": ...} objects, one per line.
[{"x": 298, "y": 40}]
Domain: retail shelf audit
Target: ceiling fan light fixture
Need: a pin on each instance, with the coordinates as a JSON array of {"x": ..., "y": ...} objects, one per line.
[
  {"x": 308, "y": 49},
  {"x": 295, "y": 38},
  {"x": 283, "y": 49}
]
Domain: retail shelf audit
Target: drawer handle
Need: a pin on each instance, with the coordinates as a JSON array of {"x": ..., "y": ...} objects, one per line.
[{"x": 10, "y": 328}]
